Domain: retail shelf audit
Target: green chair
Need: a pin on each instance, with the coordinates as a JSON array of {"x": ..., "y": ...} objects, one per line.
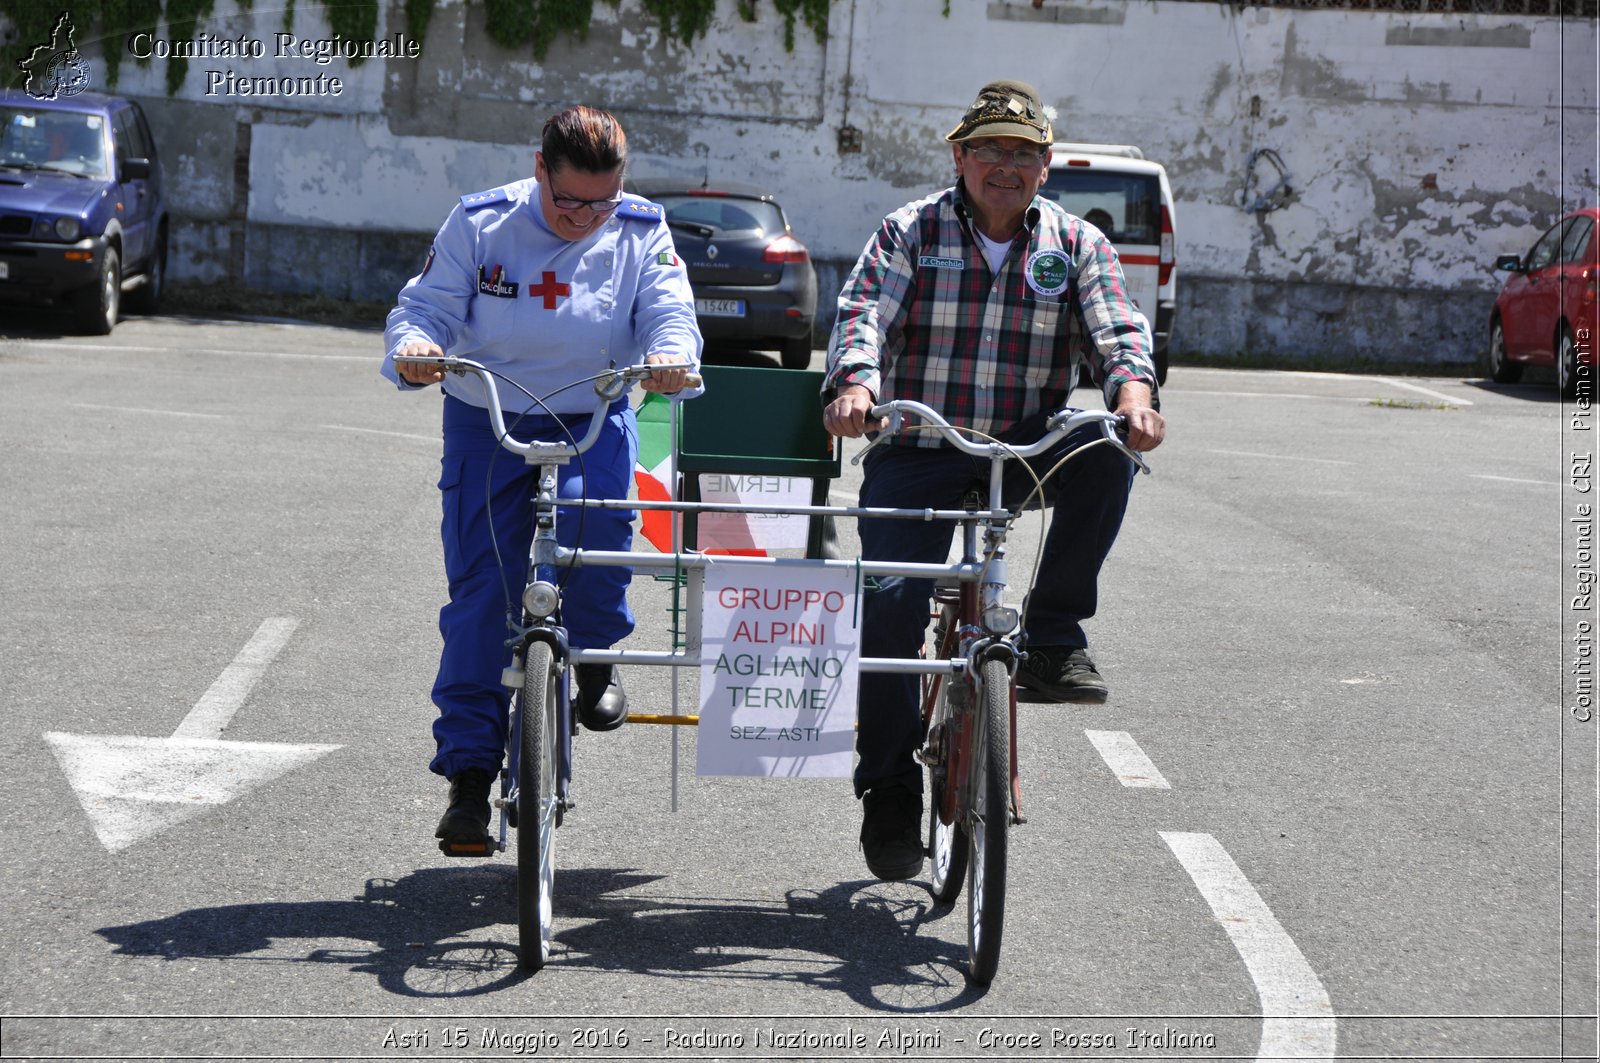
[{"x": 757, "y": 422}]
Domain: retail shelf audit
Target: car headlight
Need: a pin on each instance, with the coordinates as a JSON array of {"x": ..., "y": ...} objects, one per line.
[{"x": 68, "y": 228}]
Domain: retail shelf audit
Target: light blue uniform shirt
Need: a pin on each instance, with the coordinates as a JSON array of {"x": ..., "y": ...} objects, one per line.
[{"x": 501, "y": 288}]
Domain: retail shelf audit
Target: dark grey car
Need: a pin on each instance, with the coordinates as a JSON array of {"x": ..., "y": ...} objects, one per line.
[{"x": 753, "y": 280}]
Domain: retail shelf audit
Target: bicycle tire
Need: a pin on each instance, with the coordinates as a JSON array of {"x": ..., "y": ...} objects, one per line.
[
  {"x": 947, "y": 857},
  {"x": 990, "y": 823},
  {"x": 537, "y": 806},
  {"x": 947, "y": 842}
]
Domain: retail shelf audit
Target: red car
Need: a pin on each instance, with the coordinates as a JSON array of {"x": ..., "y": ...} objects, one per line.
[{"x": 1548, "y": 312}]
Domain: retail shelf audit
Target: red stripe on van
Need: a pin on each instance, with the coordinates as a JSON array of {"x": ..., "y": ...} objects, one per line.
[{"x": 1140, "y": 260}]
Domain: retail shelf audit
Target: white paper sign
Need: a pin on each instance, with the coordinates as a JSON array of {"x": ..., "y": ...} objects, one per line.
[
  {"x": 778, "y": 678},
  {"x": 748, "y": 532}
]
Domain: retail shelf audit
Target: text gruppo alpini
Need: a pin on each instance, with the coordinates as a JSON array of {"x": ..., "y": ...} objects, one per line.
[{"x": 318, "y": 50}]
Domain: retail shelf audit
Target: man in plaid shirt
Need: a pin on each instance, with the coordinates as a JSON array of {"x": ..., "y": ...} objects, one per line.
[{"x": 979, "y": 301}]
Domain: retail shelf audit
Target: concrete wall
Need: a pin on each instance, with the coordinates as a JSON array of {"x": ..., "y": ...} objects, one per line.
[{"x": 1418, "y": 146}]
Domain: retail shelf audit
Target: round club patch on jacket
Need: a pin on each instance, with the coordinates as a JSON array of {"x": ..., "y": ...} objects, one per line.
[{"x": 1047, "y": 271}]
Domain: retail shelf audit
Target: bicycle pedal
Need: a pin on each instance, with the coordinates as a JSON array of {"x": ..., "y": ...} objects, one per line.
[{"x": 485, "y": 847}]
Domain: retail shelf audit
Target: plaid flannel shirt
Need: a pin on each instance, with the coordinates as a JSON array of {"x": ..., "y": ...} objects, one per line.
[{"x": 921, "y": 317}]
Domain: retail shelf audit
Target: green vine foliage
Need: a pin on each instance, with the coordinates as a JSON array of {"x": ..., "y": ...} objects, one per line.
[
  {"x": 354, "y": 20},
  {"x": 683, "y": 19},
  {"x": 813, "y": 12},
  {"x": 511, "y": 23},
  {"x": 183, "y": 19},
  {"x": 418, "y": 14}
]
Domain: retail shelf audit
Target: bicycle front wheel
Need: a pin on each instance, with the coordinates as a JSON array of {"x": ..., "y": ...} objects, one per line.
[
  {"x": 989, "y": 826},
  {"x": 537, "y": 805}
]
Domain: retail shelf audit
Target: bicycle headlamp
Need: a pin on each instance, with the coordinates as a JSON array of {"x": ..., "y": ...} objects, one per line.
[
  {"x": 540, "y": 599},
  {"x": 999, "y": 619}
]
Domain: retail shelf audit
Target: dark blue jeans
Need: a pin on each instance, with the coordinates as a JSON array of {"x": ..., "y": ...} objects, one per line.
[
  {"x": 487, "y": 529},
  {"x": 1090, "y": 496}
]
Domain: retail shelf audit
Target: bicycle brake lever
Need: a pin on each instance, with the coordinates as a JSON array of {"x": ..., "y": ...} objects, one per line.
[
  {"x": 1113, "y": 433},
  {"x": 895, "y": 417},
  {"x": 611, "y": 385}
]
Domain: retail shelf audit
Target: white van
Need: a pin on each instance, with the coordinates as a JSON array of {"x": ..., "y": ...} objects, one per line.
[{"x": 1116, "y": 189}]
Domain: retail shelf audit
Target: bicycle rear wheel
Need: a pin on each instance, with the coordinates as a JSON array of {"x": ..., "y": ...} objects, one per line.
[
  {"x": 989, "y": 826},
  {"x": 537, "y": 805},
  {"x": 947, "y": 842}
]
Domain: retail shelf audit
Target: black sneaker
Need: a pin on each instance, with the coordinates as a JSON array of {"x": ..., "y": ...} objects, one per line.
[
  {"x": 891, "y": 832},
  {"x": 1062, "y": 673},
  {"x": 602, "y": 703},
  {"x": 464, "y": 830}
]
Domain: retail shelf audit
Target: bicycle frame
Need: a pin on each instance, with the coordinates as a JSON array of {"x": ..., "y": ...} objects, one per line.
[{"x": 979, "y": 632}]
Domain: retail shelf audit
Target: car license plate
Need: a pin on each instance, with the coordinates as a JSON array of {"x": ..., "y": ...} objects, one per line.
[
  {"x": 5, "y": 271},
  {"x": 719, "y": 307}
]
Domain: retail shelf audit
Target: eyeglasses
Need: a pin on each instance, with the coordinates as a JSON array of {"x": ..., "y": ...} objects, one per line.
[
  {"x": 1022, "y": 158},
  {"x": 596, "y": 206}
]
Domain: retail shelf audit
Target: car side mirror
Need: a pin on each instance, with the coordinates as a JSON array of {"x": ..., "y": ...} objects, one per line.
[
  {"x": 1511, "y": 263},
  {"x": 135, "y": 169}
]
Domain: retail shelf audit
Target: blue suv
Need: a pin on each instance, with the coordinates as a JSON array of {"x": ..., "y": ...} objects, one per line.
[{"x": 82, "y": 216}]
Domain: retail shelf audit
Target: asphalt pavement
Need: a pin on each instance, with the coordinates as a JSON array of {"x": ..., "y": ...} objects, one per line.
[{"x": 1341, "y": 803}]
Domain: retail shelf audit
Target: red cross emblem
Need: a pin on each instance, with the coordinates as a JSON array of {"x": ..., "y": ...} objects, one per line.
[{"x": 550, "y": 289}]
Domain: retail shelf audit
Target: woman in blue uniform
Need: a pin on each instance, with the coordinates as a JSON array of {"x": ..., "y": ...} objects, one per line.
[{"x": 546, "y": 281}]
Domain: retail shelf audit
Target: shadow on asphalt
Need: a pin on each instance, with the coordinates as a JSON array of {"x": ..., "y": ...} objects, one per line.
[
  {"x": 445, "y": 933},
  {"x": 1540, "y": 388}
]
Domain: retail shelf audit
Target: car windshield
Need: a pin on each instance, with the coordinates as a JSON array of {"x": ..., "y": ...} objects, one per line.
[
  {"x": 1126, "y": 207},
  {"x": 66, "y": 141},
  {"x": 723, "y": 214}
]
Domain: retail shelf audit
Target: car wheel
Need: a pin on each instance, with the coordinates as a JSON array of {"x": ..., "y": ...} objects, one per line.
[
  {"x": 796, "y": 353},
  {"x": 97, "y": 305},
  {"x": 1501, "y": 370},
  {"x": 146, "y": 299},
  {"x": 1567, "y": 364}
]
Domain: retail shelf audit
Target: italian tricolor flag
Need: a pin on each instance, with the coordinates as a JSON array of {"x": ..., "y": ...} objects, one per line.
[
  {"x": 653, "y": 475},
  {"x": 721, "y": 533}
]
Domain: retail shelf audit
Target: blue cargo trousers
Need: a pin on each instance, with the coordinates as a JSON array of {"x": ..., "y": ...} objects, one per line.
[{"x": 487, "y": 529}]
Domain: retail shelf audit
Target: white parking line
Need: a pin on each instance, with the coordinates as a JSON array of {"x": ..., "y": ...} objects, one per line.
[
  {"x": 1418, "y": 388},
  {"x": 1274, "y": 395},
  {"x": 380, "y": 432},
  {"x": 1297, "y": 1020},
  {"x": 1513, "y": 480},
  {"x": 1280, "y": 457},
  {"x": 117, "y": 348},
  {"x": 214, "y": 711},
  {"x": 142, "y": 409},
  {"x": 1127, "y": 761}
]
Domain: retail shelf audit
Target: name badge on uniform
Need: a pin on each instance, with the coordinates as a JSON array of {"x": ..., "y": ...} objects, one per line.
[
  {"x": 1047, "y": 271},
  {"x": 935, "y": 262},
  {"x": 495, "y": 285}
]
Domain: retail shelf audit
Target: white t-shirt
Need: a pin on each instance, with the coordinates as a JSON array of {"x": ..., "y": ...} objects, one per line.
[{"x": 994, "y": 251}]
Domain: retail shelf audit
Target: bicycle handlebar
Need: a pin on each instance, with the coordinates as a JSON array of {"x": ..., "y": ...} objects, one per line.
[
  {"x": 609, "y": 386},
  {"x": 1059, "y": 425}
]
